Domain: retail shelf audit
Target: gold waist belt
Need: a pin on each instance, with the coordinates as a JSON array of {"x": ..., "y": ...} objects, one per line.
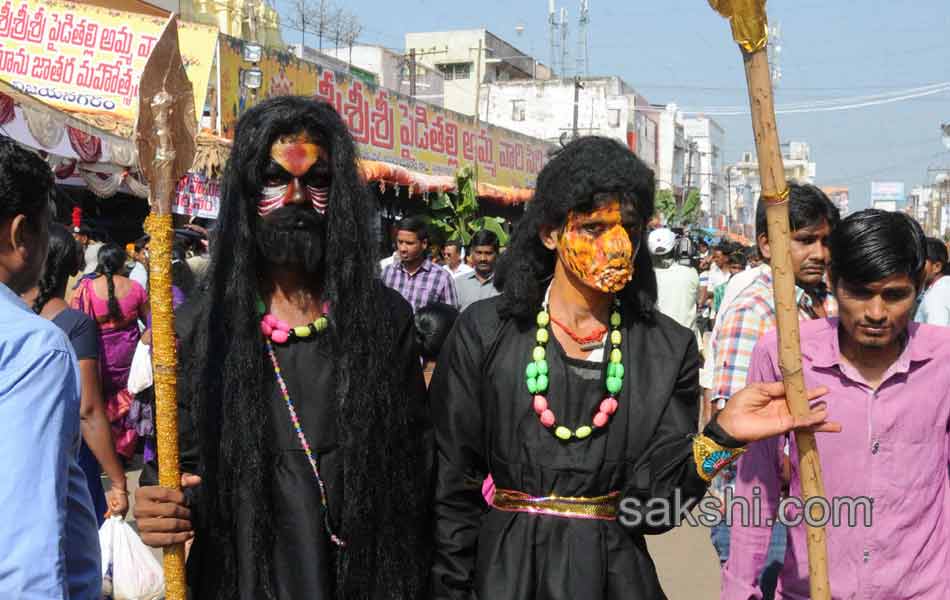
[{"x": 595, "y": 507}]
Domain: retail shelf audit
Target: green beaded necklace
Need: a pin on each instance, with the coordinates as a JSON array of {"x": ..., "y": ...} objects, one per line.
[{"x": 536, "y": 379}]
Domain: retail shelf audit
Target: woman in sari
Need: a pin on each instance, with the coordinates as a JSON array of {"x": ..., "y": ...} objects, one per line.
[{"x": 116, "y": 304}]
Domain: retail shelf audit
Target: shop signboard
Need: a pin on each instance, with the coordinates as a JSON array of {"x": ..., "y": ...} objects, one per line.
[{"x": 84, "y": 58}]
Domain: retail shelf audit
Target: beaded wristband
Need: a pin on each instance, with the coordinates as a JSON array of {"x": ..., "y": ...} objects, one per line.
[{"x": 711, "y": 457}]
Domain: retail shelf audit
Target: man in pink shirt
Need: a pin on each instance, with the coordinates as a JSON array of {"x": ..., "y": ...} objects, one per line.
[{"x": 885, "y": 475}]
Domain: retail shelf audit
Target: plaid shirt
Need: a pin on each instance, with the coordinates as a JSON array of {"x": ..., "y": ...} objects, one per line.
[
  {"x": 744, "y": 321},
  {"x": 430, "y": 283}
]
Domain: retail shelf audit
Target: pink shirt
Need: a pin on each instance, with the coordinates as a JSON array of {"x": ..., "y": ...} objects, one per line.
[{"x": 894, "y": 449}]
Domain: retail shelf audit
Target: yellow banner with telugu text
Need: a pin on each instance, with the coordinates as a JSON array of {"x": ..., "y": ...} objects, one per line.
[{"x": 84, "y": 58}]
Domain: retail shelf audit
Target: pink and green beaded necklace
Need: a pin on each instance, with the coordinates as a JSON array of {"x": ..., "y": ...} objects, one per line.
[
  {"x": 301, "y": 436},
  {"x": 536, "y": 379}
]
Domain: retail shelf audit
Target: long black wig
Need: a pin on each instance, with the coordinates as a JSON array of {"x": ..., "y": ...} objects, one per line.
[
  {"x": 383, "y": 518},
  {"x": 585, "y": 172}
]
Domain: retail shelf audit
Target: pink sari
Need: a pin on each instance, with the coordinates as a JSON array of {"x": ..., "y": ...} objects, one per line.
[{"x": 117, "y": 343}]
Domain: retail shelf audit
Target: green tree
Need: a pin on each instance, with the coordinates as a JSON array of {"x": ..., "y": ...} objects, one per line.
[
  {"x": 689, "y": 212},
  {"x": 456, "y": 215},
  {"x": 666, "y": 205},
  {"x": 674, "y": 216}
]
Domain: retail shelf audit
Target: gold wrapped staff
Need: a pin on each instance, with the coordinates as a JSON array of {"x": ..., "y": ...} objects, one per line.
[
  {"x": 165, "y": 137},
  {"x": 750, "y": 30}
]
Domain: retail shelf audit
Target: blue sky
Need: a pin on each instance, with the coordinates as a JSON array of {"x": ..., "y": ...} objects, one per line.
[{"x": 681, "y": 51}]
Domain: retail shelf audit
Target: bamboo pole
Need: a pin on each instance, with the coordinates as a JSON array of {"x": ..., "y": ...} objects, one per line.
[
  {"x": 749, "y": 27},
  {"x": 165, "y": 138}
]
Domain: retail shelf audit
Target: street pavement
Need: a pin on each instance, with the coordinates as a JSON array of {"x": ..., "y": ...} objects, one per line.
[{"x": 686, "y": 563}]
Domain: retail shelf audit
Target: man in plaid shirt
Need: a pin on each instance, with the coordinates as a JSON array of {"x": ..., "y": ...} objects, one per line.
[
  {"x": 812, "y": 216},
  {"x": 414, "y": 276}
]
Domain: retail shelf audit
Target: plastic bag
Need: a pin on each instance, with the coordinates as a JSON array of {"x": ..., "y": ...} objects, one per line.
[
  {"x": 129, "y": 569},
  {"x": 140, "y": 373}
]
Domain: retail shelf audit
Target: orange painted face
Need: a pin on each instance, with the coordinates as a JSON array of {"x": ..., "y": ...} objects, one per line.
[{"x": 596, "y": 247}]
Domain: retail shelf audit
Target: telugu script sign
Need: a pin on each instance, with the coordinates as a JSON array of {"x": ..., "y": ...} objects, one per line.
[
  {"x": 387, "y": 126},
  {"x": 197, "y": 196},
  {"x": 87, "y": 58}
]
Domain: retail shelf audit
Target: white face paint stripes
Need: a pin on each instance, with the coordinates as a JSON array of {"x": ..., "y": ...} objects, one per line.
[
  {"x": 320, "y": 197},
  {"x": 274, "y": 197}
]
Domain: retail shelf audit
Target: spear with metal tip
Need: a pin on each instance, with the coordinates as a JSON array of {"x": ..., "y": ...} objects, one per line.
[
  {"x": 750, "y": 30},
  {"x": 165, "y": 138}
]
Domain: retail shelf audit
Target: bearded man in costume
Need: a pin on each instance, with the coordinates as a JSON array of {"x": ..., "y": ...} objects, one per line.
[
  {"x": 303, "y": 419},
  {"x": 579, "y": 399}
]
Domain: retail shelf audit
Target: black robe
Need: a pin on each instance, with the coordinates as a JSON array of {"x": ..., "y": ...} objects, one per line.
[
  {"x": 303, "y": 557},
  {"x": 485, "y": 423}
]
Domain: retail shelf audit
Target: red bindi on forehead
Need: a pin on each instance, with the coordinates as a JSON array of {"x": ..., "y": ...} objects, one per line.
[{"x": 296, "y": 154}]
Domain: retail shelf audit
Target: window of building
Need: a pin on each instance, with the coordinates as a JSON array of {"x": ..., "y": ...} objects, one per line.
[
  {"x": 517, "y": 110},
  {"x": 613, "y": 117},
  {"x": 456, "y": 70}
]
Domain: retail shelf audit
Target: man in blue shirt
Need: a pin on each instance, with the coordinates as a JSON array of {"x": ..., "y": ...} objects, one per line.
[{"x": 50, "y": 546}]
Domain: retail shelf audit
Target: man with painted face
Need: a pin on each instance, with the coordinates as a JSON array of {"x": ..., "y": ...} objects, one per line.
[
  {"x": 579, "y": 399},
  {"x": 888, "y": 382},
  {"x": 304, "y": 436}
]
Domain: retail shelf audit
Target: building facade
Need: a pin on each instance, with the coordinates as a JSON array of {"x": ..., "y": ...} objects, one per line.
[
  {"x": 468, "y": 58},
  {"x": 393, "y": 71},
  {"x": 317, "y": 57},
  {"x": 841, "y": 197},
  {"x": 704, "y": 169},
  {"x": 671, "y": 150},
  {"x": 745, "y": 187},
  {"x": 605, "y": 106}
]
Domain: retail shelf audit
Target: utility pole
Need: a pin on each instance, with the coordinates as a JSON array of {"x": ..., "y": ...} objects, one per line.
[
  {"x": 689, "y": 172},
  {"x": 409, "y": 64},
  {"x": 729, "y": 194},
  {"x": 478, "y": 98},
  {"x": 565, "y": 51},
  {"x": 478, "y": 81},
  {"x": 583, "y": 49},
  {"x": 412, "y": 72},
  {"x": 553, "y": 35},
  {"x": 577, "y": 94}
]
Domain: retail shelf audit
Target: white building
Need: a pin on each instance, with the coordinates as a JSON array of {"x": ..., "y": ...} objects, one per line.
[
  {"x": 840, "y": 196},
  {"x": 705, "y": 139},
  {"x": 392, "y": 71},
  {"x": 317, "y": 57},
  {"x": 745, "y": 187},
  {"x": 671, "y": 150},
  {"x": 918, "y": 203},
  {"x": 605, "y": 106},
  {"x": 469, "y": 57},
  {"x": 887, "y": 205}
]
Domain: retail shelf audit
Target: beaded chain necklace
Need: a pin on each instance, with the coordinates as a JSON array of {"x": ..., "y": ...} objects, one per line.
[
  {"x": 536, "y": 379},
  {"x": 280, "y": 332},
  {"x": 301, "y": 436}
]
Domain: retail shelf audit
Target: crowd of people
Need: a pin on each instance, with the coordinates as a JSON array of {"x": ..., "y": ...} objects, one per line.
[{"x": 468, "y": 421}]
